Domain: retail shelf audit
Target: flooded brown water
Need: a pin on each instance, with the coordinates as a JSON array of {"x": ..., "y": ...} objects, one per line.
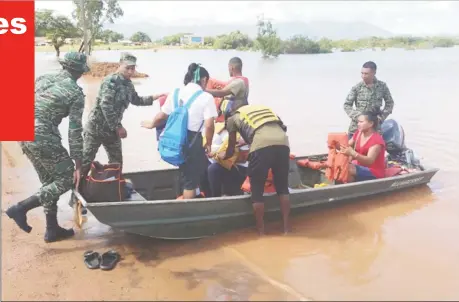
[{"x": 398, "y": 247}]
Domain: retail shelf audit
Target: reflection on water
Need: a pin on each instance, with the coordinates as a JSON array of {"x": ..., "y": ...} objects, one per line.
[{"x": 391, "y": 247}]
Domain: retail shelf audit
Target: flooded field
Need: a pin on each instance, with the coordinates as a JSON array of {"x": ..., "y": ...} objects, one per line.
[{"x": 398, "y": 247}]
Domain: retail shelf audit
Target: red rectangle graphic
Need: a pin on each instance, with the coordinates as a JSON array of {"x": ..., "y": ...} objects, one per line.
[{"x": 17, "y": 80}]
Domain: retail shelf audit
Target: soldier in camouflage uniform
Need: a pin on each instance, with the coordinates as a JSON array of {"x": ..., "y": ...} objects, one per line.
[
  {"x": 368, "y": 96},
  {"x": 56, "y": 97},
  {"x": 104, "y": 122}
]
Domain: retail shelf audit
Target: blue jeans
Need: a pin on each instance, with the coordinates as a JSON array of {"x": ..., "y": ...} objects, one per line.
[
  {"x": 227, "y": 181},
  {"x": 363, "y": 173}
]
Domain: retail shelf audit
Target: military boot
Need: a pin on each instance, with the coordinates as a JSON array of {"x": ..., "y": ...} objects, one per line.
[
  {"x": 18, "y": 212},
  {"x": 53, "y": 231}
]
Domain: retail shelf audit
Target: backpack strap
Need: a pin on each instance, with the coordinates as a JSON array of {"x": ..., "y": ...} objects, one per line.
[
  {"x": 176, "y": 93},
  {"x": 193, "y": 98},
  {"x": 187, "y": 105}
]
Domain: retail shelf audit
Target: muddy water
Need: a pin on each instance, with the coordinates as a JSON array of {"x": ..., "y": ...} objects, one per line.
[{"x": 400, "y": 247}]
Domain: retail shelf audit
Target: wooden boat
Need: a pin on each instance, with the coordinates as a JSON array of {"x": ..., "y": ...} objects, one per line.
[{"x": 154, "y": 211}]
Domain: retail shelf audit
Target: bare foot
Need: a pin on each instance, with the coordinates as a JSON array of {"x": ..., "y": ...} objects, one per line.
[{"x": 287, "y": 230}]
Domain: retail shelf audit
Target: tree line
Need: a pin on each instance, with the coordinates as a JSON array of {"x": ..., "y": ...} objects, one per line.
[{"x": 57, "y": 28}]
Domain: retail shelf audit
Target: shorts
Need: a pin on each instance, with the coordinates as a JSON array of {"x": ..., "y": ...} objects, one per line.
[
  {"x": 276, "y": 158},
  {"x": 363, "y": 173},
  {"x": 195, "y": 165}
]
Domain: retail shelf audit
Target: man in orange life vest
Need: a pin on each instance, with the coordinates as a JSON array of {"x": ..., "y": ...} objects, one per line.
[{"x": 237, "y": 89}]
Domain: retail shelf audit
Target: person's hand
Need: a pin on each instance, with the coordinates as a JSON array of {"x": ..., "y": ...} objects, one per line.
[
  {"x": 221, "y": 155},
  {"x": 157, "y": 96},
  {"x": 122, "y": 133},
  {"x": 147, "y": 124},
  {"x": 211, "y": 154},
  {"x": 76, "y": 178},
  {"x": 241, "y": 142},
  {"x": 348, "y": 151},
  {"x": 208, "y": 149}
]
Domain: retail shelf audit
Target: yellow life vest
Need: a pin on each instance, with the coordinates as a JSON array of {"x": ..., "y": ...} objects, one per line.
[
  {"x": 226, "y": 163},
  {"x": 253, "y": 117}
]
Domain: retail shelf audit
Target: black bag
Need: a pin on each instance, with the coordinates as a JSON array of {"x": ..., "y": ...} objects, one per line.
[{"x": 104, "y": 183}]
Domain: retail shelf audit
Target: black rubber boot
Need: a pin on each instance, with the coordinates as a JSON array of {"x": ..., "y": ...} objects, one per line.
[
  {"x": 53, "y": 231},
  {"x": 18, "y": 212}
]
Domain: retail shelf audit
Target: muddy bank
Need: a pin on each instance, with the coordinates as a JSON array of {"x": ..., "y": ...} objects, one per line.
[
  {"x": 150, "y": 270},
  {"x": 102, "y": 69}
]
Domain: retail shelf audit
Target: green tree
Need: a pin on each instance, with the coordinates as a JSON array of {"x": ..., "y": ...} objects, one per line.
[
  {"x": 140, "y": 37},
  {"x": 96, "y": 13},
  {"x": 173, "y": 39},
  {"x": 267, "y": 40},
  {"x": 56, "y": 28},
  {"x": 325, "y": 44},
  {"x": 109, "y": 36},
  {"x": 233, "y": 40},
  {"x": 302, "y": 45},
  {"x": 209, "y": 41}
]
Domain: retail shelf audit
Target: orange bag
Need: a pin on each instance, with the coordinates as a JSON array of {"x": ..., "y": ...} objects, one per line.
[
  {"x": 269, "y": 184},
  {"x": 337, "y": 163}
]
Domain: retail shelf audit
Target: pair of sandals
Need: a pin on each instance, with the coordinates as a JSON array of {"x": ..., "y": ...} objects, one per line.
[{"x": 107, "y": 261}]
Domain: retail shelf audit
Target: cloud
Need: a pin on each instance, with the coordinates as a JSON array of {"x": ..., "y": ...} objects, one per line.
[{"x": 419, "y": 17}]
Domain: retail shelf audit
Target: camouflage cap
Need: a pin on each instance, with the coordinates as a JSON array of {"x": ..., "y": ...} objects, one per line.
[
  {"x": 75, "y": 61},
  {"x": 128, "y": 59}
]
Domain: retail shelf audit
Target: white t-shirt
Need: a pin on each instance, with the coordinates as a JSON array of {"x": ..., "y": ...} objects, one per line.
[{"x": 203, "y": 107}]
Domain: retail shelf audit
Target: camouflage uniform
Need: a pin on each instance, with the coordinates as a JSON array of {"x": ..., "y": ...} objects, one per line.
[
  {"x": 115, "y": 95},
  {"x": 368, "y": 99},
  {"x": 56, "y": 97}
]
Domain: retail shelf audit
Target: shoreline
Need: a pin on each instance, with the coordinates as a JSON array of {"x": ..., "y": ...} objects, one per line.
[{"x": 156, "y": 48}]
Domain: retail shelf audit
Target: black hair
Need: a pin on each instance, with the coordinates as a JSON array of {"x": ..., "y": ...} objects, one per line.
[
  {"x": 371, "y": 117},
  {"x": 192, "y": 69},
  {"x": 370, "y": 64},
  {"x": 236, "y": 62}
]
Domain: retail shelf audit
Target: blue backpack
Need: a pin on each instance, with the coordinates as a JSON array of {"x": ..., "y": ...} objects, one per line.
[{"x": 173, "y": 141}]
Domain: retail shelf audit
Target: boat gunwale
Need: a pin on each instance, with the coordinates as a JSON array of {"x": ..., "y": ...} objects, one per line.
[{"x": 247, "y": 197}]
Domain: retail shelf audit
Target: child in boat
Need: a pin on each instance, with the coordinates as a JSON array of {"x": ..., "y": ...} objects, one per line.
[
  {"x": 226, "y": 176},
  {"x": 368, "y": 152}
]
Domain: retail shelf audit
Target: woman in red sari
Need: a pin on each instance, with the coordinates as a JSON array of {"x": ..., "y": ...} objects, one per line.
[{"x": 367, "y": 149}]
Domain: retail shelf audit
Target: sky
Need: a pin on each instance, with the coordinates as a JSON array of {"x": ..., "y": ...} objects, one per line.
[{"x": 399, "y": 17}]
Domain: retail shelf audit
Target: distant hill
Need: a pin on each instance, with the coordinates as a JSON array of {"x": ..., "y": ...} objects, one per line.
[{"x": 331, "y": 30}]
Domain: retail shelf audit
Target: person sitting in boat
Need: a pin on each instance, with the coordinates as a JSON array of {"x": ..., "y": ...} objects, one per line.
[
  {"x": 260, "y": 127},
  {"x": 226, "y": 174},
  {"x": 369, "y": 150},
  {"x": 237, "y": 89},
  {"x": 201, "y": 113}
]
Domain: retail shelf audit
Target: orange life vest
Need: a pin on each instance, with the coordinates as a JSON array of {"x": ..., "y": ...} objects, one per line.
[
  {"x": 162, "y": 100},
  {"x": 216, "y": 84},
  {"x": 269, "y": 184},
  {"x": 315, "y": 165},
  {"x": 337, "y": 163}
]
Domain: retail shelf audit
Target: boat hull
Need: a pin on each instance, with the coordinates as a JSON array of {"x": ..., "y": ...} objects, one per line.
[{"x": 198, "y": 218}]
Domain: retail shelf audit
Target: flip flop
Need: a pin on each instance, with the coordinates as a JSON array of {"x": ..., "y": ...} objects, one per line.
[
  {"x": 91, "y": 259},
  {"x": 109, "y": 260}
]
